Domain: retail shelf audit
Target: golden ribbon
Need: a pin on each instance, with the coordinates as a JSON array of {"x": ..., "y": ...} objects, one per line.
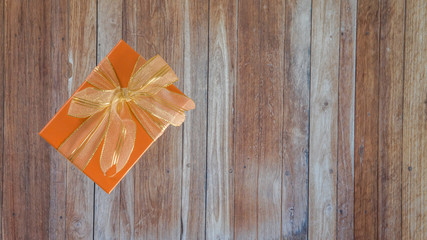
[{"x": 109, "y": 110}]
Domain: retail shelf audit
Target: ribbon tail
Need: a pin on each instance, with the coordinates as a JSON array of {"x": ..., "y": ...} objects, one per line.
[
  {"x": 152, "y": 125},
  {"x": 119, "y": 141},
  {"x": 82, "y": 144}
]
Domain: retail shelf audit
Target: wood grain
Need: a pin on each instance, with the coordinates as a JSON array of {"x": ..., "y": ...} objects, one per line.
[
  {"x": 158, "y": 174},
  {"x": 127, "y": 207},
  {"x": 310, "y": 120},
  {"x": 325, "y": 42},
  {"x": 107, "y": 213},
  {"x": 271, "y": 75},
  {"x": 366, "y": 121},
  {"x": 346, "y": 91},
  {"x": 414, "y": 172},
  {"x": 296, "y": 109},
  {"x": 26, "y": 171},
  {"x": 196, "y": 23},
  {"x": 390, "y": 119},
  {"x": 59, "y": 95},
  {"x": 82, "y": 59},
  {"x": 221, "y": 99},
  {"x": 2, "y": 85},
  {"x": 14, "y": 192},
  {"x": 246, "y": 141},
  {"x": 38, "y": 64},
  {"x": 259, "y": 115}
]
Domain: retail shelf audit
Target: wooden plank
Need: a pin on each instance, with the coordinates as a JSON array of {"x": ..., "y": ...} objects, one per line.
[
  {"x": 158, "y": 174},
  {"x": 109, "y": 26},
  {"x": 271, "y": 75},
  {"x": 59, "y": 95},
  {"x": 324, "y": 119},
  {"x": 296, "y": 106},
  {"x": 2, "y": 85},
  {"x": 107, "y": 206},
  {"x": 346, "y": 91},
  {"x": 247, "y": 102},
  {"x": 127, "y": 207},
  {"x": 220, "y": 155},
  {"x": 27, "y": 82},
  {"x": 414, "y": 176},
  {"x": 38, "y": 65},
  {"x": 13, "y": 37},
  {"x": 390, "y": 118},
  {"x": 82, "y": 58},
  {"x": 259, "y": 115},
  {"x": 196, "y": 23},
  {"x": 366, "y": 121}
]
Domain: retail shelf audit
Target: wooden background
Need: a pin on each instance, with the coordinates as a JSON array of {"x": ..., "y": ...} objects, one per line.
[{"x": 311, "y": 120}]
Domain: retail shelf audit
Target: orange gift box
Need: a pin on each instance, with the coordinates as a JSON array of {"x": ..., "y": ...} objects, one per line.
[{"x": 123, "y": 60}]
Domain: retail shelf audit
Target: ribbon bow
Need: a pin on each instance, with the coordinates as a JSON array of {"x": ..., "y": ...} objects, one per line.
[{"x": 111, "y": 111}]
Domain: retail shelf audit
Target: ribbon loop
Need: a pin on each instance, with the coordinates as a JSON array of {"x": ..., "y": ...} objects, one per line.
[{"x": 113, "y": 112}]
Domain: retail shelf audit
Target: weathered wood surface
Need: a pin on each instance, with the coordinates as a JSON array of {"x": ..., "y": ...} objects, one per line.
[
  {"x": 366, "y": 120},
  {"x": 414, "y": 167},
  {"x": 346, "y": 98},
  {"x": 2, "y": 77},
  {"x": 392, "y": 21},
  {"x": 247, "y": 123},
  {"x": 310, "y": 120},
  {"x": 296, "y": 107},
  {"x": 195, "y": 84},
  {"x": 26, "y": 172},
  {"x": 325, "y": 43},
  {"x": 221, "y": 99},
  {"x": 258, "y": 139}
]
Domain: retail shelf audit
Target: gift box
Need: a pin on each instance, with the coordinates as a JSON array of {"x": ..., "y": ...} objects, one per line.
[{"x": 121, "y": 108}]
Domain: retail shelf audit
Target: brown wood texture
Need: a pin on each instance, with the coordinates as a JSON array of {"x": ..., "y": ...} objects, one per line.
[
  {"x": 392, "y": 21},
  {"x": 310, "y": 120},
  {"x": 366, "y": 121},
  {"x": 26, "y": 172},
  {"x": 324, "y": 119},
  {"x": 247, "y": 149},
  {"x": 220, "y": 144},
  {"x": 414, "y": 165},
  {"x": 258, "y": 139},
  {"x": 2, "y": 77},
  {"x": 346, "y": 98},
  {"x": 296, "y": 108},
  {"x": 195, "y": 84},
  {"x": 60, "y": 73}
]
